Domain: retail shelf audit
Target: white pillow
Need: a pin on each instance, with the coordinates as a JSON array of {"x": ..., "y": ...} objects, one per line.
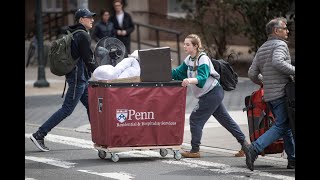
[{"x": 105, "y": 72}]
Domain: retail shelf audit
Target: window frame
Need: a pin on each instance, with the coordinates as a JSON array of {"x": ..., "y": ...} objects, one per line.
[
  {"x": 53, "y": 3},
  {"x": 171, "y": 4}
]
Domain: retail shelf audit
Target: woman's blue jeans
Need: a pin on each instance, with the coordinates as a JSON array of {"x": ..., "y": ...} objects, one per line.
[
  {"x": 211, "y": 104},
  {"x": 80, "y": 92},
  {"x": 279, "y": 130}
]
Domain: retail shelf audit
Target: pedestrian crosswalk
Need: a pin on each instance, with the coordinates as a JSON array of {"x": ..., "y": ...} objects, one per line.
[{"x": 201, "y": 164}]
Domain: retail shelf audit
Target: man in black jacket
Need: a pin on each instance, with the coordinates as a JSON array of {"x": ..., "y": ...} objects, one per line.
[
  {"x": 123, "y": 24},
  {"x": 77, "y": 79}
]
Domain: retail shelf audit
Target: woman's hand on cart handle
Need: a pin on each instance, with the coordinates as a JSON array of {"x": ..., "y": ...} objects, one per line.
[{"x": 188, "y": 81}]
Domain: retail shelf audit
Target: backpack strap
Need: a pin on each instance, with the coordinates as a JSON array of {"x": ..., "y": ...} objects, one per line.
[
  {"x": 195, "y": 67},
  {"x": 78, "y": 30},
  {"x": 64, "y": 89}
]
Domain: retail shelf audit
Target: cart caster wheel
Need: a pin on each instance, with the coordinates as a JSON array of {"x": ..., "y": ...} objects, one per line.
[
  {"x": 102, "y": 154},
  {"x": 163, "y": 152},
  {"x": 114, "y": 157},
  {"x": 177, "y": 155}
]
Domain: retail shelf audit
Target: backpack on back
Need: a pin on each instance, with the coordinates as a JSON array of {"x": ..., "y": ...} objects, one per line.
[
  {"x": 61, "y": 61},
  {"x": 260, "y": 119},
  {"x": 228, "y": 77}
]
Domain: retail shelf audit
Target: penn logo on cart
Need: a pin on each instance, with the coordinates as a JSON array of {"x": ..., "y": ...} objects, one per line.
[
  {"x": 122, "y": 115},
  {"x": 130, "y": 114}
]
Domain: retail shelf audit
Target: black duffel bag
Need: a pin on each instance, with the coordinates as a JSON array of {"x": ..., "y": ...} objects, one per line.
[{"x": 291, "y": 98}]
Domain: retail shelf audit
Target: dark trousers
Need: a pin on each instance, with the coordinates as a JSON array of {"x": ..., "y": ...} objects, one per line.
[
  {"x": 80, "y": 92},
  {"x": 211, "y": 104}
]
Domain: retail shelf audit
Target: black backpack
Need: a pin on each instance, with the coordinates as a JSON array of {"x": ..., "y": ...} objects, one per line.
[{"x": 228, "y": 77}]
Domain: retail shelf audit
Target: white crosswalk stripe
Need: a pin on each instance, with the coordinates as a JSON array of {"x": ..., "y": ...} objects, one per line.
[
  {"x": 54, "y": 162},
  {"x": 66, "y": 164},
  {"x": 194, "y": 163}
]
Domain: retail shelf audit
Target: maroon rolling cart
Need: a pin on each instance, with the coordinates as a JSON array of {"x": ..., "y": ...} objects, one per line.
[{"x": 138, "y": 115}]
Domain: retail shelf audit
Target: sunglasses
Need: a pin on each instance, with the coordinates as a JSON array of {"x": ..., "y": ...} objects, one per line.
[{"x": 284, "y": 28}]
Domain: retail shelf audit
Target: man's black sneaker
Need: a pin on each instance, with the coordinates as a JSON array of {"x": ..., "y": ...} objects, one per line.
[
  {"x": 39, "y": 142},
  {"x": 291, "y": 165},
  {"x": 251, "y": 155}
]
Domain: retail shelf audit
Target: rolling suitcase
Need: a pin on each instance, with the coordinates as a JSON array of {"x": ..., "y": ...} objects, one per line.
[{"x": 260, "y": 119}]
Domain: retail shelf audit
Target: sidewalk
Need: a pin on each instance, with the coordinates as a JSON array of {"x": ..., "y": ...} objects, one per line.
[{"x": 56, "y": 83}]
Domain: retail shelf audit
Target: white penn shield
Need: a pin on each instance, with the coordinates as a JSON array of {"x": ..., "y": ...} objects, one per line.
[{"x": 122, "y": 115}]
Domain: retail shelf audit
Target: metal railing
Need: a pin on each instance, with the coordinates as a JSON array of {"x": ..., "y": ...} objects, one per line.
[
  {"x": 158, "y": 29},
  {"x": 53, "y": 24}
]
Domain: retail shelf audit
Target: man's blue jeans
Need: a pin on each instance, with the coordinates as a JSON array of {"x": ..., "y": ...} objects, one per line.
[
  {"x": 278, "y": 130},
  {"x": 80, "y": 92}
]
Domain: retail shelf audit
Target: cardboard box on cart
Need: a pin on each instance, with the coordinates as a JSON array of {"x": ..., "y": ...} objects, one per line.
[{"x": 155, "y": 64}]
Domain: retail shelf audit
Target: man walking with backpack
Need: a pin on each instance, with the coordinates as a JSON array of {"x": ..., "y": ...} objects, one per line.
[{"x": 77, "y": 79}]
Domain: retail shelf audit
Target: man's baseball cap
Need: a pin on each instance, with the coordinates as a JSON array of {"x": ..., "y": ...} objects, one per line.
[{"x": 83, "y": 13}]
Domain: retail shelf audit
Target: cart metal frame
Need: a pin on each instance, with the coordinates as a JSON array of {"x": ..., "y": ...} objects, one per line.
[{"x": 163, "y": 150}]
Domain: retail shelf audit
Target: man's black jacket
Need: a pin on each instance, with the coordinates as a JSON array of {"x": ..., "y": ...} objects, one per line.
[{"x": 81, "y": 48}]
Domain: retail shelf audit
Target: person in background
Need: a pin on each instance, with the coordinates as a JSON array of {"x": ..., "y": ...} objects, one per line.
[
  {"x": 123, "y": 24},
  {"x": 200, "y": 75},
  {"x": 77, "y": 79},
  {"x": 271, "y": 67},
  {"x": 103, "y": 28}
]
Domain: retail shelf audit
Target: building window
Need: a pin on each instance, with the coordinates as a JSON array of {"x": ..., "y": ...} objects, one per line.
[
  {"x": 175, "y": 7},
  {"x": 52, "y": 6}
]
